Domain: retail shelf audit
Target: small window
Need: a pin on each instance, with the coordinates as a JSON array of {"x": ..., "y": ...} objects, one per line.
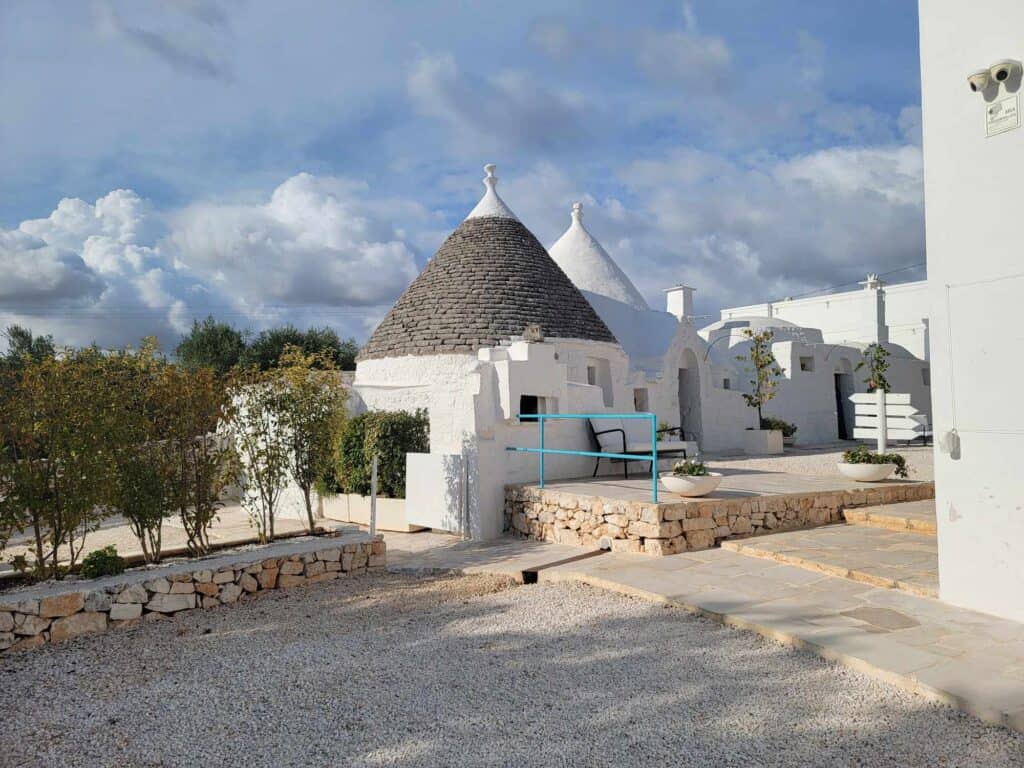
[
  {"x": 532, "y": 404},
  {"x": 726, "y": 384},
  {"x": 806, "y": 363},
  {"x": 926, "y": 376},
  {"x": 592, "y": 375},
  {"x": 641, "y": 404}
]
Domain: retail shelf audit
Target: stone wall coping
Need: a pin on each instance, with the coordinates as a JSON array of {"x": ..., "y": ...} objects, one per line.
[{"x": 252, "y": 554}]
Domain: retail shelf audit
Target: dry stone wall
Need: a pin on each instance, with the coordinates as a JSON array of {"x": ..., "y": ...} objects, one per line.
[
  {"x": 672, "y": 527},
  {"x": 30, "y": 618}
]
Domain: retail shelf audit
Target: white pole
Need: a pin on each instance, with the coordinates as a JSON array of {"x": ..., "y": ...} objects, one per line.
[
  {"x": 373, "y": 497},
  {"x": 883, "y": 421}
]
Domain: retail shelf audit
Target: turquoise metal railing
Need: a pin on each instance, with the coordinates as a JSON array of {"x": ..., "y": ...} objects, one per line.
[{"x": 542, "y": 451}]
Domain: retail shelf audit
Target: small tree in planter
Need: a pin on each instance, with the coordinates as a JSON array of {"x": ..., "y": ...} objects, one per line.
[
  {"x": 255, "y": 429},
  {"x": 764, "y": 367},
  {"x": 876, "y": 360},
  {"x": 312, "y": 413}
]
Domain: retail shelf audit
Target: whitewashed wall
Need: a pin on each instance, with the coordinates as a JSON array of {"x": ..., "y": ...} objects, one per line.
[{"x": 973, "y": 199}]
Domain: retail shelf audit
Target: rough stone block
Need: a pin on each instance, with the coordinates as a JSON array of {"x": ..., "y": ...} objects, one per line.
[
  {"x": 125, "y": 611},
  {"x": 182, "y": 588},
  {"x": 7, "y": 639},
  {"x": 248, "y": 583},
  {"x": 267, "y": 578},
  {"x": 253, "y": 569},
  {"x": 210, "y": 602},
  {"x": 56, "y": 606},
  {"x": 225, "y": 576},
  {"x": 161, "y": 586},
  {"x": 326, "y": 576},
  {"x": 6, "y": 621},
  {"x": 84, "y": 623},
  {"x": 377, "y": 561},
  {"x": 207, "y": 588},
  {"x": 204, "y": 576},
  {"x": 28, "y": 643},
  {"x": 229, "y": 593},
  {"x": 314, "y": 569},
  {"x": 291, "y": 568},
  {"x": 97, "y": 600},
  {"x": 168, "y": 603},
  {"x": 286, "y": 580},
  {"x": 626, "y": 545},
  {"x": 698, "y": 524},
  {"x": 696, "y": 540},
  {"x": 29, "y": 626},
  {"x": 133, "y": 593}
]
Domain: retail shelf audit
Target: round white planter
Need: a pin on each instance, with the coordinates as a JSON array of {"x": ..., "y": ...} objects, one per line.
[
  {"x": 691, "y": 485},
  {"x": 866, "y": 473}
]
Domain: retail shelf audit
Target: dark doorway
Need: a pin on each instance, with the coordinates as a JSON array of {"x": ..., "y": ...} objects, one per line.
[{"x": 844, "y": 408}]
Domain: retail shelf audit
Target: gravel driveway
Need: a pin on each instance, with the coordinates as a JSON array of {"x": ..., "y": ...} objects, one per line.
[{"x": 395, "y": 670}]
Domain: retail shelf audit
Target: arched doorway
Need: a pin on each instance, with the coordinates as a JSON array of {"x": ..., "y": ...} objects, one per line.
[{"x": 689, "y": 396}]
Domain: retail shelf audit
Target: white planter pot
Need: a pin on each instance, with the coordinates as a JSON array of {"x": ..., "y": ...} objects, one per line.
[
  {"x": 866, "y": 473},
  {"x": 691, "y": 485}
]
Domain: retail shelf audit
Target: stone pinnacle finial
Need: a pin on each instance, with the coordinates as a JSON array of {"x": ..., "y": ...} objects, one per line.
[
  {"x": 490, "y": 204},
  {"x": 577, "y": 213},
  {"x": 490, "y": 180}
]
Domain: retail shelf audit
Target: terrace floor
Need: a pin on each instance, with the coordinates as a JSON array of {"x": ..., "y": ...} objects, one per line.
[{"x": 736, "y": 484}]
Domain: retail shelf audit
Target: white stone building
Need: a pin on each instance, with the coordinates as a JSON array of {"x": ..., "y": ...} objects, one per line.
[
  {"x": 974, "y": 161},
  {"x": 495, "y": 326}
]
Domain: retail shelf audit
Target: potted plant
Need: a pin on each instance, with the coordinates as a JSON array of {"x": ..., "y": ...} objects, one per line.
[
  {"x": 787, "y": 429},
  {"x": 765, "y": 371},
  {"x": 691, "y": 478},
  {"x": 866, "y": 466}
]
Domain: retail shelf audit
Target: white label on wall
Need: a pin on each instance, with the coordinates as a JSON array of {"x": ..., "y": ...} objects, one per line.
[{"x": 1002, "y": 116}]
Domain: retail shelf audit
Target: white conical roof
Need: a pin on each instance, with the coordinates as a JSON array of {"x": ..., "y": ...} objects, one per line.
[
  {"x": 490, "y": 204},
  {"x": 590, "y": 267}
]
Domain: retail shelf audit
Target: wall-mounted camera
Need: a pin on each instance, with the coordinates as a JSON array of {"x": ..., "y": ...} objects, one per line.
[{"x": 1006, "y": 73}]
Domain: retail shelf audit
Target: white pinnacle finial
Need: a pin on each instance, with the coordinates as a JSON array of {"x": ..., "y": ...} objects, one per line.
[
  {"x": 577, "y": 213},
  {"x": 490, "y": 204}
]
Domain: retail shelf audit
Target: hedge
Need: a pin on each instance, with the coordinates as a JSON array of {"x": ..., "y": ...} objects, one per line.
[{"x": 389, "y": 434}]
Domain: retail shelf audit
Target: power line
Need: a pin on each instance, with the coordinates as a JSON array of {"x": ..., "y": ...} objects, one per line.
[{"x": 855, "y": 282}]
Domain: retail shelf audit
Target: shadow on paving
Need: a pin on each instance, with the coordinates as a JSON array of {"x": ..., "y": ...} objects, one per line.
[{"x": 396, "y": 670}]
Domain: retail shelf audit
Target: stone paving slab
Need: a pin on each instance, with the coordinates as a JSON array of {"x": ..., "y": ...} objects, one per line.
[
  {"x": 877, "y": 556},
  {"x": 914, "y": 516},
  {"x": 963, "y": 658}
]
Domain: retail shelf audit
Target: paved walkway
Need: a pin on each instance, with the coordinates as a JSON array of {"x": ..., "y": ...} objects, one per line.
[
  {"x": 966, "y": 659},
  {"x": 915, "y": 516},
  {"x": 877, "y": 556}
]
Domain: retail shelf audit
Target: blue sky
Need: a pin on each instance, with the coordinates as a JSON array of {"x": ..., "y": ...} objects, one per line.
[{"x": 273, "y": 162}]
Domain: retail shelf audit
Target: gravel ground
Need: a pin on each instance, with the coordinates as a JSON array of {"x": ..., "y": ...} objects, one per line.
[{"x": 397, "y": 670}]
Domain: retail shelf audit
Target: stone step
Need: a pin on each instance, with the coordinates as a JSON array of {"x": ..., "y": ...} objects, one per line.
[
  {"x": 914, "y": 516},
  {"x": 882, "y": 558}
]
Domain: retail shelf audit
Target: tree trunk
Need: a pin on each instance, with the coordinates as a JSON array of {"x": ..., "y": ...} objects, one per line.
[{"x": 309, "y": 507}]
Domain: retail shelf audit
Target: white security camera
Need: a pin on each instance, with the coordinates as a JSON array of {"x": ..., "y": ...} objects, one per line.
[
  {"x": 1008, "y": 69},
  {"x": 980, "y": 81}
]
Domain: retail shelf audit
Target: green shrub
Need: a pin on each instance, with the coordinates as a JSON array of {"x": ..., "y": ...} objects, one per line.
[
  {"x": 690, "y": 468},
  {"x": 861, "y": 455},
  {"x": 102, "y": 562},
  {"x": 770, "y": 422},
  {"x": 390, "y": 435}
]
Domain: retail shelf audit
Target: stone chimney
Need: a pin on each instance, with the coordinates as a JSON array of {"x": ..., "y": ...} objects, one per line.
[{"x": 679, "y": 301}]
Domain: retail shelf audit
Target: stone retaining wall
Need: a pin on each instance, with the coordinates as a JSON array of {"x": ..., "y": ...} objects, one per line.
[
  {"x": 53, "y": 613},
  {"x": 672, "y": 527}
]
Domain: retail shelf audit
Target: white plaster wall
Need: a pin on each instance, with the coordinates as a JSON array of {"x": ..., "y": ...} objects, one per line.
[
  {"x": 972, "y": 193},
  {"x": 907, "y": 309}
]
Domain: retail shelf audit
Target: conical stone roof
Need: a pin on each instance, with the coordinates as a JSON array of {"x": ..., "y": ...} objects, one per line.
[
  {"x": 489, "y": 280},
  {"x": 588, "y": 264}
]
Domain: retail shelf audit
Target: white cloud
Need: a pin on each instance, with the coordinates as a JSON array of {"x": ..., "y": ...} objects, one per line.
[{"x": 317, "y": 251}]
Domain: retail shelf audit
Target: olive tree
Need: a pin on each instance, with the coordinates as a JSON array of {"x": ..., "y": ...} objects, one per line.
[
  {"x": 764, "y": 368},
  {"x": 254, "y": 427},
  {"x": 57, "y": 415},
  {"x": 312, "y": 412},
  {"x": 189, "y": 404},
  {"x": 876, "y": 360}
]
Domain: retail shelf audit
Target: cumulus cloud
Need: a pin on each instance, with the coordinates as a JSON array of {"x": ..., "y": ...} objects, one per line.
[
  {"x": 510, "y": 109},
  {"x": 317, "y": 251}
]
